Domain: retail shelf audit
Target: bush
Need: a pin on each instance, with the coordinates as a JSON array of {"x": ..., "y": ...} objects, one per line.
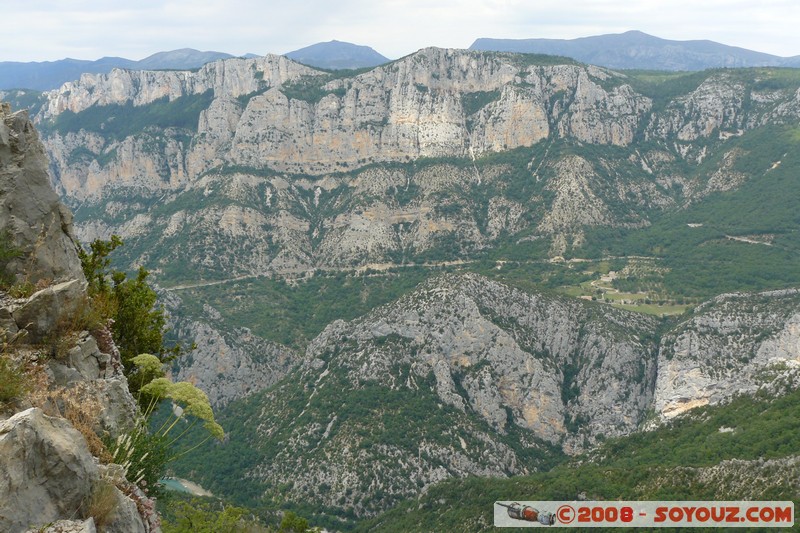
[
  {"x": 292, "y": 523},
  {"x": 139, "y": 323},
  {"x": 12, "y": 379},
  {"x": 201, "y": 517},
  {"x": 102, "y": 504},
  {"x": 144, "y": 457},
  {"x": 7, "y": 252}
]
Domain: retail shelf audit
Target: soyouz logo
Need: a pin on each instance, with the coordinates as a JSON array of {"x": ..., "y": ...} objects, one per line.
[{"x": 644, "y": 514}]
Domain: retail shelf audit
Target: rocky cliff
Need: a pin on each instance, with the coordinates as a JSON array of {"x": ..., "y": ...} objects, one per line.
[
  {"x": 734, "y": 344},
  {"x": 463, "y": 376},
  {"x": 469, "y": 377},
  {"x": 36, "y": 222},
  {"x": 228, "y": 364},
  {"x": 265, "y": 165},
  {"x": 62, "y": 386}
]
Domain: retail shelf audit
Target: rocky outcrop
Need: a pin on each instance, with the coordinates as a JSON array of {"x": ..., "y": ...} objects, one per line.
[
  {"x": 49, "y": 476},
  {"x": 734, "y": 344},
  {"x": 463, "y": 376},
  {"x": 48, "y": 471},
  {"x": 226, "y": 365},
  {"x": 48, "y": 312},
  {"x": 36, "y": 222}
]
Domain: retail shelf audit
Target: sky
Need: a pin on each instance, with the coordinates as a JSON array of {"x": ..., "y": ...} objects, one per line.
[{"x": 46, "y": 30}]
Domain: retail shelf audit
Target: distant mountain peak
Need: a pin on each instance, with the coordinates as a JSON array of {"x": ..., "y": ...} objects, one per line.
[
  {"x": 182, "y": 58},
  {"x": 47, "y": 75},
  {"x": 635, "y": 49},
  {"x": 337, "y": 55}
]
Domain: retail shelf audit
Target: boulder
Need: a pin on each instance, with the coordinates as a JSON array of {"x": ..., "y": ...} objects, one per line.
[
  {"x": 47, "y": 471},
  {"x": 50, "y": 309}
]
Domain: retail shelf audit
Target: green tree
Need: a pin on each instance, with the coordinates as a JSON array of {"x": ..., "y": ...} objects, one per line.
[
  {"x": 291, "y": 523},
  {"x": 201, "y": 517},
  {"x": 139, "y": 323},
  {"x": 96, "y": 264}
]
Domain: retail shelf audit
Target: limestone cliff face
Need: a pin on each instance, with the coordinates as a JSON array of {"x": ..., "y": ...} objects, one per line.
[
  {"x": 337, "y": 167},
  {"x": 233, "y": 78},
  {"x": 36, "y": 222},
  {"x": 463, "y": 376},
  {"x": 73, "y": 378},
  {"x": 734, "y": 344},
  {"x": 430, "y": 104},
  {"x": 534, "y": 361},
  {"x": 226, "y": 364}
]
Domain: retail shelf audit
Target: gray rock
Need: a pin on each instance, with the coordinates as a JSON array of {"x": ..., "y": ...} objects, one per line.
[
  {"x": 734, "y": 344},
  {"x": 126, "y": 518},
  {"x": 63, "y": 375},
  {"x": 7, "y": 322},
  {"x": 84, "y": 357},
  {"x": 38, "y": 224},
  {"x": 228, "y": 363},
  {"x": 68, "y": 526},
  {"x": 50, "y": 310},
  {"x": 47, "y": 471}
]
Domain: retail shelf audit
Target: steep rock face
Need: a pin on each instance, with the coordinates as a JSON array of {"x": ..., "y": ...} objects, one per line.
[
  {"x": 150, "y": 155},
  {"x": 226, "y": 365},
  {"x": 234, "y": 77},
  {"x": 461, "y": 377},
  {"x": 38, "y": 225},
  {"x": 492, "y": 348},
  {"x": 734, "y": 344},
  {"x": 48, "y": 471},
  {"x": 433, "y": 103}
]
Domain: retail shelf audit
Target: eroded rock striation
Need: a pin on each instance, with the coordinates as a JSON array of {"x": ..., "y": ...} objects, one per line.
[
  {"x": 254, "y": 166},
  {"x": 734, "y": 344}
]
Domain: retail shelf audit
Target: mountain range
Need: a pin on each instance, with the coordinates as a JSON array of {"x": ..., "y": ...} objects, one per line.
[
  {"x": 638, "y": 50},
  {"x": 335, "y": 55},
  {"x": 457, "y": 277},
  {"x": 629, "y": 50},
  {"x": 49, "y": 75}
]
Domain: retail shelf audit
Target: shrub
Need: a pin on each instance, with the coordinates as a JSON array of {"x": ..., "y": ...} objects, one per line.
[
  {"x": 86, "y": 316},
  {"x": 291, "y": 523},
  {"x": 197, "y": 516},
  {"x": 79, "y": 407},
  {"x": 139, "y": 325},
  {"x": 23, "y": 289},
  {"x": 12, "y": 379},
  {"x": 102, "y": 504},
  {"x": 7, "y": 252}
]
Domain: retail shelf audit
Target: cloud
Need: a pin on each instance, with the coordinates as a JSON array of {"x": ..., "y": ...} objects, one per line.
[{"x": 49, "y": 29}]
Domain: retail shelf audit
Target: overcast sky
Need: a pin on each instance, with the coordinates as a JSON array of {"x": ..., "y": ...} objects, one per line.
[{"x": 44, "y": 30}]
